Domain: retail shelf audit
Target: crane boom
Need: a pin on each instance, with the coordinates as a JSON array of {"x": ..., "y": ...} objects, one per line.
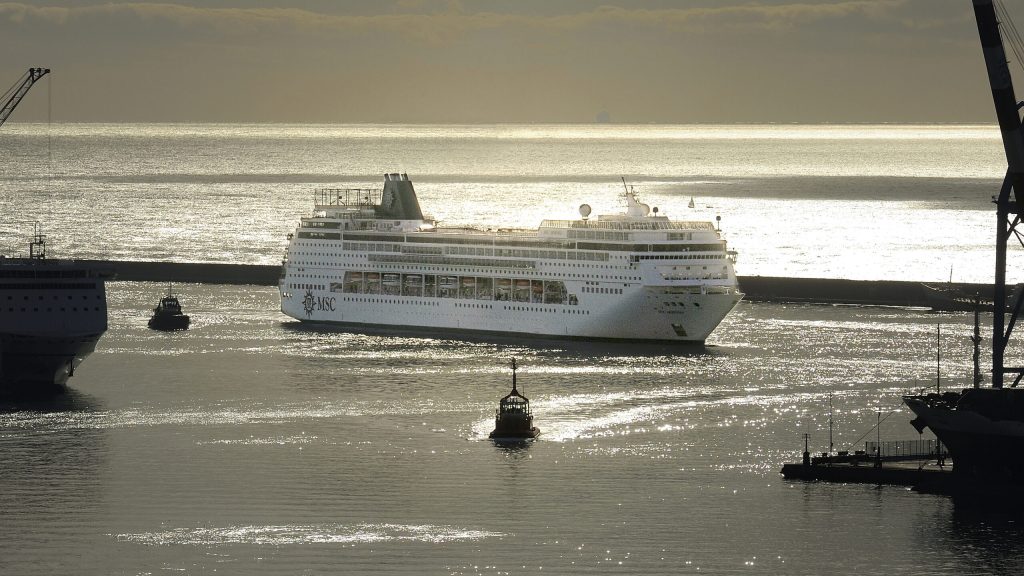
[{"x": 18, "y": 91}]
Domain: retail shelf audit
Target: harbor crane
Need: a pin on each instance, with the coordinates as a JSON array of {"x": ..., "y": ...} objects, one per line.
[
  {"x": 13, "y": 96},
  {"x": 1009, "y": 208}
]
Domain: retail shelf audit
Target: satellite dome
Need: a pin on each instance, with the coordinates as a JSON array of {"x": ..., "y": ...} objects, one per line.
[{"x": 584, "y": 210}]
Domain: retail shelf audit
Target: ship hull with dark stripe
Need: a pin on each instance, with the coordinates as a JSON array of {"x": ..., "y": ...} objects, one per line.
[
  {"x": 52, "y": 314},
  {"x": 41, "y": 364}
]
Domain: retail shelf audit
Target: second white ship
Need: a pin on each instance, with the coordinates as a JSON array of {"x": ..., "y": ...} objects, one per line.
[{"x": 369, "y": 258}]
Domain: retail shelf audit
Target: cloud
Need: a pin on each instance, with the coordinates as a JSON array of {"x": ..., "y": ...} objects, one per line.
[
  {"x": 449, "y": 23},
  {"x": 517, "y": 60}
]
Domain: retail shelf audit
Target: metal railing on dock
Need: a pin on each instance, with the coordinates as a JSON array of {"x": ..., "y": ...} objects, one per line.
[{"x": 904, "y": 449}]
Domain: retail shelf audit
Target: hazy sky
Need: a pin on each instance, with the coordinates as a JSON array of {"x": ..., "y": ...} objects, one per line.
[{"x": 501, "y": 61}]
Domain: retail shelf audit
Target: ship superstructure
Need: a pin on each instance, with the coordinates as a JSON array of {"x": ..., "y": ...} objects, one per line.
[{"x": 370, "y": 258}]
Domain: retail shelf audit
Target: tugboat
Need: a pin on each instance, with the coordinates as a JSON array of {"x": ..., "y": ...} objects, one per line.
[
  {"x": 513, "y": 420},
  {"x": 167, "y": 315}
]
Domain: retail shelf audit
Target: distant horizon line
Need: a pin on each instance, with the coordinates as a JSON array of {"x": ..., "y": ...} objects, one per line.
[{"x": 993, "y": 123}]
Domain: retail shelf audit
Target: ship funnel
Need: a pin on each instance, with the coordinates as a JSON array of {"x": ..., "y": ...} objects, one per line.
[{"x": 398, "y": 201}]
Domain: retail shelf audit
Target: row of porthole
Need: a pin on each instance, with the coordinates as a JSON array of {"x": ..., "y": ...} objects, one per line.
[
  {"x": 670, "y": 303},
  {"x": 602, "y": 290},
  {"x": 440, "y": 269},
  {"x": 461, "y": 305},
  {"x": 454, "y": 270},
  {"x": 375, "y": 300},
  {"x": 531, "y": 309},
  {"x": 307, "y": 287},
  {"x": 97, "y": 309},
  {"x": 69, "y": 297}
]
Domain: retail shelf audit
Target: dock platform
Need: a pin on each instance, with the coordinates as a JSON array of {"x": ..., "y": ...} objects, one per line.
[{"x": 902, "y": 473}]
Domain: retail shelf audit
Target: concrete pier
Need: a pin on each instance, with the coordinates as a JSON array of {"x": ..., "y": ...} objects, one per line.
[
  {"x": 191, "y": 272},
  {"x": 833, "y": 291},
  {"x": 756, "y": 288},
  {"x": 905, "y": 473}
]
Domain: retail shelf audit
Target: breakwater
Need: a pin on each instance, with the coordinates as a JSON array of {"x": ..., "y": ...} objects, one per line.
[
  {"x": 191, "y": 272},
  {"x": 838, "y": 291},
  {"x": 756, "y": 288}
]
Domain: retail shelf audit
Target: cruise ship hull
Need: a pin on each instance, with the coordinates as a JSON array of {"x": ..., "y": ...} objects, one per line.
[
  {"x": 646, "y": 315},
  {"x": 32, "y": 363}
]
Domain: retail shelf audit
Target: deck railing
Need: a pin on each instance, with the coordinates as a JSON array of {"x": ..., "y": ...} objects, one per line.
[{"x": 896, "y": 449}]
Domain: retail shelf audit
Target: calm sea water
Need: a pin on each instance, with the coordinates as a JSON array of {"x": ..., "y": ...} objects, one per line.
[
  {"x": 250, "y": 445},
  {"x": 866, "y": 202},
  {"x": 253, "y": 445}
]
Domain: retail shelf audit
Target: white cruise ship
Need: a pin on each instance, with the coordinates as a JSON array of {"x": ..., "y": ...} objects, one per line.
[{"x": 369, "y": 258}]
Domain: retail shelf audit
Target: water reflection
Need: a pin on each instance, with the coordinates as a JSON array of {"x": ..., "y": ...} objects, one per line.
[
  {"x": 985, "y": 534},
  {"x": 69, "y": 400},
  {"x": 51, "y": 483},
  {"x": 512, "y": 447},
  {"x": 416, "y": 338}
]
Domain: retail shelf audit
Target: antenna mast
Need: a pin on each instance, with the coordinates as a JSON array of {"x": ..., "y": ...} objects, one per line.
[{"x": 830, "y": 423}]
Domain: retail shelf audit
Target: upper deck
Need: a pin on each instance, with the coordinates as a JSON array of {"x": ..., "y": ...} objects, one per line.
[
  {"x": 325, "y": 199},
  {"x": 393, "y": 215},
  {"x": 659, "y": 223}
]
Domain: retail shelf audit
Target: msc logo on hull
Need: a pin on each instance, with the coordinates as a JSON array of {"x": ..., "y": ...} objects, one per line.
[{"x": 318, "y": 303}]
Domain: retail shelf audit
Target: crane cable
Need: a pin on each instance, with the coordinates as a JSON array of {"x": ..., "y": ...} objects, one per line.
[
  {"x": 10, "y": 91},
  {"x": 1012, "y": 36},
  {"x": 877, "y": 424}
]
